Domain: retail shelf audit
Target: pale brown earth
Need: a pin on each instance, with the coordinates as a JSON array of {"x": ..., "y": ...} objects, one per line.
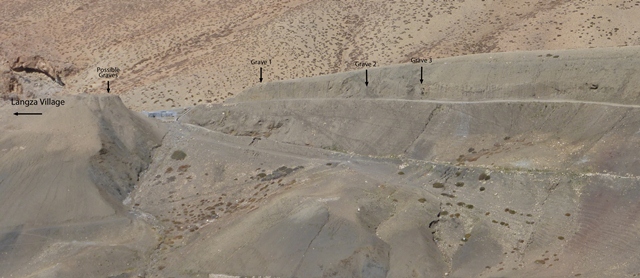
[
  {"x": 177, "y": 54},
  {"x": 63, "y": 178},
  {"x": 515, "y": 164},
  {"x": 497, "y": 165},
  {"x": 36, "y": 64},
  {"x": 533, "y": 171}
]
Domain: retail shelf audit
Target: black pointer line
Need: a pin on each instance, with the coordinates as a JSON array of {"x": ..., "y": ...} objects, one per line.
[
  {"x": 260, "y": 74},
  {"x": 366, "y": 77},
  {"x": 108, "y": 89},
  {"x": 421, "y": 75},
  {"x": 32, "y": 114}
]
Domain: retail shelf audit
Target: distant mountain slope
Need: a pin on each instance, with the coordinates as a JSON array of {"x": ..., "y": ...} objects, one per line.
[{"x": 191, "y": 52}]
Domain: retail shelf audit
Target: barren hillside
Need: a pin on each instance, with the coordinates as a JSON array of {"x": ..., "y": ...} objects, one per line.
[
  {"x": 175, "y": 54},
  {"x": 516, "y": 164},
  {"x": 512, "y": 167},
  {"x": 63, "y": 180},
  {"x": 509, "y": 150}
]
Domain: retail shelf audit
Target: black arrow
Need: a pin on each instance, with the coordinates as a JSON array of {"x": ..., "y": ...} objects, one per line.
[
  {"x": 421, "y": 75},
  {"x": 366, "y": 77},
  {"x": 18, "y": 113},
  {"x": 108, "y": 89},
  {"x": 260, "y": 74}
]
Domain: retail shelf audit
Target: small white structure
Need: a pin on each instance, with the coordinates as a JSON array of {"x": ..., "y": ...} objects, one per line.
[{"x": 162, "y": 114}]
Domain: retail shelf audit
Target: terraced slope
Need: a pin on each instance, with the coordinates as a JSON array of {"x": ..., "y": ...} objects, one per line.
[
  {"x": 529, "y": 110},
  {"x": 390, "y": 182},
  {"x": 516, "y": 165}
]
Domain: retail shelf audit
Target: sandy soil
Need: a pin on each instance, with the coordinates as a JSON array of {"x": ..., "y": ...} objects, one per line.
[
  {"x": 515, "y": 164},
  {"x": 64, "y": 177},
  {"x": 181, "y": 54},
  {"x": 352, "y": 181}
]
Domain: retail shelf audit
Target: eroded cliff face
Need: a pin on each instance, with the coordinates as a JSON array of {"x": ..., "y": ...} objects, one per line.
[
  {"x": 63, "y": 177},
  {"x": 37, "y": 64},
  {"x": 10, "y": 87},
  {"x": 30, "y": 76}
]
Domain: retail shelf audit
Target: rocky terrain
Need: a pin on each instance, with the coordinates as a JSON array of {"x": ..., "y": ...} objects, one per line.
[
  {"x": 178, "y": 54},
  {"x": 525, "y": 178},
  {"x": 63, "y": 180},
  {"x": 498, "y": 153},
  {"x": 496, "y": 165}
]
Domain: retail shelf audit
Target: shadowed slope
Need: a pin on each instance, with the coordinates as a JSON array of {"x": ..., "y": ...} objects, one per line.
[
  {"x": 504, "y": 176},
  {"x": 63, "y": 178}
]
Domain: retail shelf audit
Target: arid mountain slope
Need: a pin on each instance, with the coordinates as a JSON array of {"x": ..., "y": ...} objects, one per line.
[
  {"x": 63, "y": 178},
  {"x": 516, "y": 164},
  {"x": 328, "y": 177},
  {"x": 558, "y": 110},
  {"x": 192, "y": 52}
]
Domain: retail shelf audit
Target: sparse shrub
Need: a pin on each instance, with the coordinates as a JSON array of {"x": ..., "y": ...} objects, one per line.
[
  {"x": 178, "y": 155},
  {"x": 183, "y": 168}
]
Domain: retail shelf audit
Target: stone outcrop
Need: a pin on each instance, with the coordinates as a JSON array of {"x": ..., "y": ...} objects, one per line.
[
  {"x": 10, "y": 87},
  {"x": 37, "y": 64}
]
